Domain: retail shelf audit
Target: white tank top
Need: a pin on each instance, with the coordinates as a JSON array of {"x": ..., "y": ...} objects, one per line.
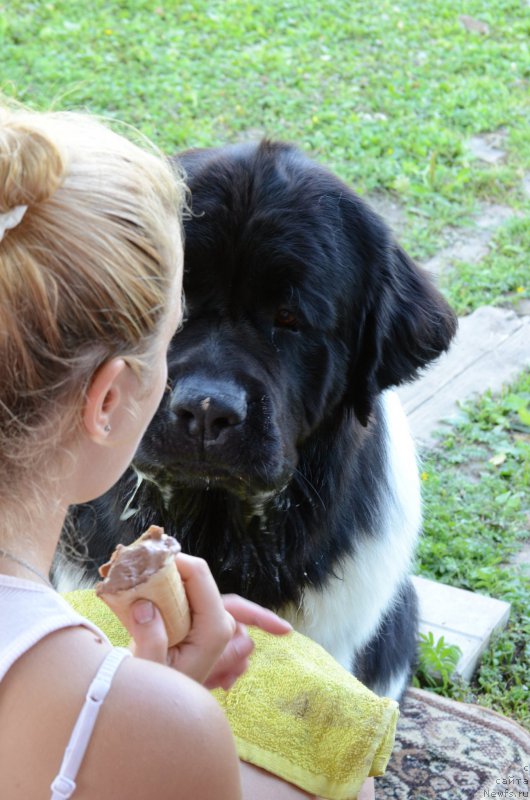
[{"x": 28, "y": 612}]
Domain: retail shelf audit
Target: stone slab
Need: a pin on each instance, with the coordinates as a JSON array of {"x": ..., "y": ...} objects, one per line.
[
  {"x": 491, "y": 349},
  {"x": 463, "y": 618}
]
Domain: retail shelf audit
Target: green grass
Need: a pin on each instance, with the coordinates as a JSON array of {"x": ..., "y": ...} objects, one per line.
[
  {"x": 477, "y": 514},
  {"x": 388, "y": 95}
]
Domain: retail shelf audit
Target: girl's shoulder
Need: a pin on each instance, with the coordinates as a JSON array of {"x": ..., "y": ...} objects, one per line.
[{"x": 158, "y": 734}]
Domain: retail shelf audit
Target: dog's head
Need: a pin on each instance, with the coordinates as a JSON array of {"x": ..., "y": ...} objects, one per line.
[{"x": 301, "y": 308}]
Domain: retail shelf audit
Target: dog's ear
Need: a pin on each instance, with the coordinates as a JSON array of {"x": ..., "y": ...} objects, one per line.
[{"x": 405, "y": 325}]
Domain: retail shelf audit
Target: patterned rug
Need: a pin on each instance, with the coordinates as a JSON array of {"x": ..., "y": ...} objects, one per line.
[{"x": 453, "y": 751}]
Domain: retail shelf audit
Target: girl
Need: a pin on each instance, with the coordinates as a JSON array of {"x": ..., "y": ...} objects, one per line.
[{"x": 90, "y": 297}]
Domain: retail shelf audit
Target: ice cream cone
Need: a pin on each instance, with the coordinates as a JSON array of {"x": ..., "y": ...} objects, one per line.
[{"x": 146, "y": 570}]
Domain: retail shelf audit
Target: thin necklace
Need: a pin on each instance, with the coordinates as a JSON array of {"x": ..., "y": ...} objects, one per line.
[{"x": 5, "y": 554}]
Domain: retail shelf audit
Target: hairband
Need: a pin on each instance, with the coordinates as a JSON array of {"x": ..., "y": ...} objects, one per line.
[{"x": 10, "y": 219}]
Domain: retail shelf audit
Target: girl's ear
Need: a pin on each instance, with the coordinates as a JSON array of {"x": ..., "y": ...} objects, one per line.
[{"x": 103, "y": 399}]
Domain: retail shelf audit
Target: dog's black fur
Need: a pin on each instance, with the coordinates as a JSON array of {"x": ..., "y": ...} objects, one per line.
[{"x": 270, "y": 454}]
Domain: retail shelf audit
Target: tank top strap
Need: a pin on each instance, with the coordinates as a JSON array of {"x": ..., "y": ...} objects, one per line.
[{"x": 63, "y": 785}]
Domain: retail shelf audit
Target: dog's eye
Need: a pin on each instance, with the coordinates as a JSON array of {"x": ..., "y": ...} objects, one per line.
[{"x": 286, "y": 319}]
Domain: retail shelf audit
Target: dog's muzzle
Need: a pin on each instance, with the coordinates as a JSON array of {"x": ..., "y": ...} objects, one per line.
[{"x": 207, "y": 410}]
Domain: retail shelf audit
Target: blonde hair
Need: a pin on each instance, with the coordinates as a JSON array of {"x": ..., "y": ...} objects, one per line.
[{"x": 84, "y": 276}]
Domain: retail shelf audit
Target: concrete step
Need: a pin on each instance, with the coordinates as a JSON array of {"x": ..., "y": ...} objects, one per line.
[
  {"x": 491, "y": 348},
  {"x": 463, "y": 618}
]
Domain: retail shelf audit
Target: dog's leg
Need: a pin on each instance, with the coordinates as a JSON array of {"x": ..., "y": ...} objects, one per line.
[{"x": 386, "y": 663}]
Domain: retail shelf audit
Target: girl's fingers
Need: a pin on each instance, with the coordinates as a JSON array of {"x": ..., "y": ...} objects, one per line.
[
  {"x": 225, "y": 681},
  {"x": 202, "y": 592},
  {"x": 212, "y": 626},
  {"x": 250, "y": 613},
  {"x": 233, "y": 661},
  {"x": 147, "y": 628}
]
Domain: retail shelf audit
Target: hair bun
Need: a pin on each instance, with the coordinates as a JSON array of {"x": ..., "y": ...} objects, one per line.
[{"x": 31, "y": 164}]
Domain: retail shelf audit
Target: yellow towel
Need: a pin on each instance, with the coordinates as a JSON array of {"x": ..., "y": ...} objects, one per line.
[{"x": 295, "y": 712}]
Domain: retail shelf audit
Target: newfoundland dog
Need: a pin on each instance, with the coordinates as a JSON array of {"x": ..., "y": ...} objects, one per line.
[{"x": 280, "y": 453}]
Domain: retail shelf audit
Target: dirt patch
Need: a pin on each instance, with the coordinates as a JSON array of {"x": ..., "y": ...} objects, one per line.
[
  {"x": 393, "y": 214},
  {"x": 522, "y": 558},
  {"x": 469, "y": 244},
  {"x": 489, "y": 147}
]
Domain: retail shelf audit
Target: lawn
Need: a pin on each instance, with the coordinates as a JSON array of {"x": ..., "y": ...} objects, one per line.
[
  {"x": 476, "y": 491},
  {"x": 390, "y": 96}
]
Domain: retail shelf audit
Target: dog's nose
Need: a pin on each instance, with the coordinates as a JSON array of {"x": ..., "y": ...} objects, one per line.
[{"x": 207, "y": 408}]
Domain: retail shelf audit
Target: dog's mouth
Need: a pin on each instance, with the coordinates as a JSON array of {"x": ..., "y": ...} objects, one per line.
[
  {"x": 206, "y": 476},
  {"x": 203, "y": 476}
]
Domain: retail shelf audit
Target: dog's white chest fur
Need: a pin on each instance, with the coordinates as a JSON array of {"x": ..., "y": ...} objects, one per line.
[{"x": 346, "y": 613}]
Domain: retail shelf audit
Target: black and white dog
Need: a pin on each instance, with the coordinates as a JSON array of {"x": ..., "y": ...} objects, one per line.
[{"x": 280, "y": 453}]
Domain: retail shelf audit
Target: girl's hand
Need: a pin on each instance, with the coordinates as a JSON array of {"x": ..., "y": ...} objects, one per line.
[
  {"x": 215, "y": 652},
  {"x": 233, "y": 661}
]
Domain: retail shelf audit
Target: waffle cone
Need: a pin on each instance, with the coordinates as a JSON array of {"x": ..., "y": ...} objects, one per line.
[{"x": 165, "y": 589}]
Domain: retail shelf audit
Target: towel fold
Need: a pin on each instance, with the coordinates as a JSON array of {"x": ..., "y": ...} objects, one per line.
[{"x": 296, "y": 712}]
